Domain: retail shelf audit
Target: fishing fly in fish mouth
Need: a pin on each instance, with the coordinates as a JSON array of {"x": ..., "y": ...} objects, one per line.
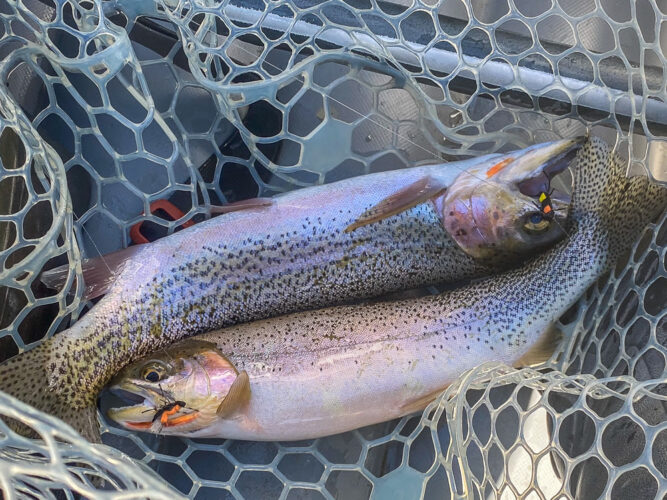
[
  {"x": 309, "y": 374},
  {"x": 181, "y": 387}
]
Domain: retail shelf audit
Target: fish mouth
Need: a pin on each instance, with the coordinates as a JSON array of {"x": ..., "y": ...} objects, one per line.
[
  {"x": 140, "y": 408},
  {"x": 557, "y": 157},
  {"x": 563, "y": 156},
  {"x": 127, "y": 396},
  {"x": 143, "y": 413},
  {"x": 136, "y": 394}
]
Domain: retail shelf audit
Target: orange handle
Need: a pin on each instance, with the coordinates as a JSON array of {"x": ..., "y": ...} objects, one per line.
[{"x": 166, "y": 206}]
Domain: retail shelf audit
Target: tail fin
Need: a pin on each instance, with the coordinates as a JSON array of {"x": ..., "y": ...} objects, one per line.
[
  {"x": 623, "y": 205},
  {"x": 26, "y": 377}
]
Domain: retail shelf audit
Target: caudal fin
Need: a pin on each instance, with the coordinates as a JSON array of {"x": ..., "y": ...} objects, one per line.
[
  {"x": 26, "y": 377},
  {"x": 623, "y": 205}
]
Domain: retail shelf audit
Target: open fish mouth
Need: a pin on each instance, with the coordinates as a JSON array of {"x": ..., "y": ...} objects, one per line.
[
  {"x": 561, "y": 161},
  {"x": 136, "y": 394},
  {"x": 127, "y": 396},
  {"x": 142, "y": 411},
  {"x": 139, "y": 407},
  {"x": 552, "y": 166}
]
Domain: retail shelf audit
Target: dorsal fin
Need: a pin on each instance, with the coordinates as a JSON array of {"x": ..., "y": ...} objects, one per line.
[
  {"x": 237, "y": 206},
  {"x": 237, "y": 397},
  {"x": 99, "y": 273},
  {"x": 416, "y": 193},
  {"x": 543, "y": 348}
]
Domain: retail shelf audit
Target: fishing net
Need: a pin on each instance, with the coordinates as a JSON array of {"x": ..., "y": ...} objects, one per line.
[
  {"x": 62, "y": 464},
  {"x": 108, "y": 106}
]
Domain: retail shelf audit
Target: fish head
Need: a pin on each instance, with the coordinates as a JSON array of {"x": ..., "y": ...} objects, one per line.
[
  {"x": 173, "y": 391},
  {"x": 494, "y": 212}
]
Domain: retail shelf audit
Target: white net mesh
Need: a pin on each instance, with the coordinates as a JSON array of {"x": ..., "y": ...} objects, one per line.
[
  {"x": 62, "y": 464},
  {"x": 525, "y": 434},
  {"x": 106, "y": 106}
]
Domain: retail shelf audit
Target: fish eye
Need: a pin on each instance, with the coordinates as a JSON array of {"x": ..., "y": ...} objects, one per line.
[
  {"x": 153, "y": 373},
  {"x": 536, "y": 223}
]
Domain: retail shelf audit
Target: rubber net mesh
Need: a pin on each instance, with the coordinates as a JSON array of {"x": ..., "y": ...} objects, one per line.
[{"x": 107, "y": 106}]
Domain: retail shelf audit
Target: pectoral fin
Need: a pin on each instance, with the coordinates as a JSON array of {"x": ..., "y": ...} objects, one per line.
[
  {"x": 237, "y": 397},
  {"x": 543, "y": 349},
  {"x": 99, "y": 273},
  {"x": 237, "y": 206},
  {"x": 408, "y": 197}
]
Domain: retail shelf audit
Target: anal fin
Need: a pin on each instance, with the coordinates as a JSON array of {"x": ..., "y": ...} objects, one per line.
[
  {"x": 416, "y": 193},
  {"x": 420, "y": 403},
  {"x": 543, "y": 349},
  {"x": 99, "y": 273},
  {"x": 237, "y": 397}
]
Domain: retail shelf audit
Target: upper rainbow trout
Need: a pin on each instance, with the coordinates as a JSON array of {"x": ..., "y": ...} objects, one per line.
[
  {"x": 312, "y": 247},
  {"x": 315, "y": 373}
]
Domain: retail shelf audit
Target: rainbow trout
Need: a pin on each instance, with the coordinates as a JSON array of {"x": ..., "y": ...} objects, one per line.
[
  {"x": 315, "y": 373},
  {"x": 312, "y": 247}
]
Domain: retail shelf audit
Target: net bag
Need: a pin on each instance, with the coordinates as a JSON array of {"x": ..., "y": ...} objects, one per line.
[{"x": 108, "y": 106}]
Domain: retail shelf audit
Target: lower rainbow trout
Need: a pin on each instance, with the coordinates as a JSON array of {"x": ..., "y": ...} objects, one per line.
[
  {"x": 313, "y": 247},
  {"x": 315, "y": 373}
]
